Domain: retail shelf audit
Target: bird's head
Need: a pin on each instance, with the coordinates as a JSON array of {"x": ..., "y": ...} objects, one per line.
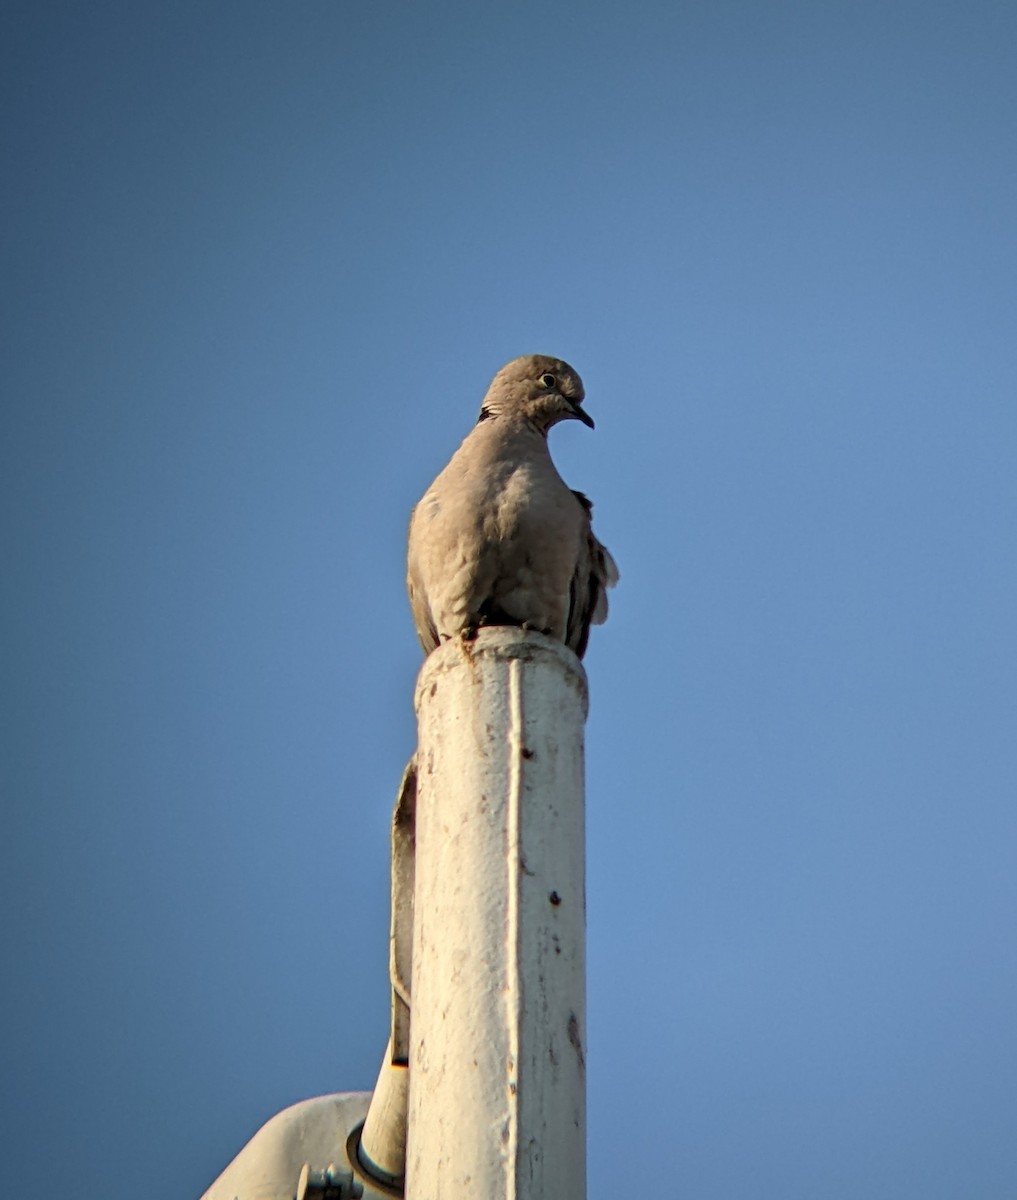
[{"x": 540, "y": 389}]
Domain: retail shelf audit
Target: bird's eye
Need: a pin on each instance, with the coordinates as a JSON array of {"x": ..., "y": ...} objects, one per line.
[{"x": 548, "y": 380}]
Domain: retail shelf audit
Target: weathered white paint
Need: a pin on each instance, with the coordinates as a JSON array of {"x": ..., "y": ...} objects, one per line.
[{"x": 497, "y": 1032}]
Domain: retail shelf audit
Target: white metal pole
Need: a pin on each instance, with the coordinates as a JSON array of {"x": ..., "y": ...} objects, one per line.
[{"x": 497, "y": 1106}]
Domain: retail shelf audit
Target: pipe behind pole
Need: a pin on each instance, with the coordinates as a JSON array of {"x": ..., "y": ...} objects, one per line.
[{"x": 497, "y": 1102}]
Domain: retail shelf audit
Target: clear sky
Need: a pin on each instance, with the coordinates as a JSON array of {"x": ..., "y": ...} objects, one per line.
[{"x": 260, "y": 261}]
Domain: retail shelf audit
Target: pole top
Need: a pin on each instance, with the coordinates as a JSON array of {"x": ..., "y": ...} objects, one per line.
[{"x": 500, "y": 644}]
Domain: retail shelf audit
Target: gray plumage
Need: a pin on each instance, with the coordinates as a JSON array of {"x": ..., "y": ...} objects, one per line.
[{"x": 499, "y": 538}]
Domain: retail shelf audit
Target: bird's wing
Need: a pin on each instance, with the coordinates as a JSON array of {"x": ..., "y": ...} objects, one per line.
[
  {"x": 595, "y": 572},
  {"x": 419, "y": 607}
]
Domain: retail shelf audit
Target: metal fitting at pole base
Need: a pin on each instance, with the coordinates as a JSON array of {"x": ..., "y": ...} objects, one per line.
[
  {"x": 497, "y": 1099},
  {"x": 333, "y": 1183},
  {"x": 313, "y": 1133}
]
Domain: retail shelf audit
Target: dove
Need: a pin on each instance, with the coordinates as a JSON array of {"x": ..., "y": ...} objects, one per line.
[{"x": 499, "y": 538}]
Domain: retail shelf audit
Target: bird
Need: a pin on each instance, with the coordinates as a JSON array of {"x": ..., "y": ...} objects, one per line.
[{"x": 499, "y": 538}]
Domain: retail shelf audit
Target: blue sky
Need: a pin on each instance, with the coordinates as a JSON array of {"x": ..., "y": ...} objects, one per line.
[{"x": 260, "y": 263}]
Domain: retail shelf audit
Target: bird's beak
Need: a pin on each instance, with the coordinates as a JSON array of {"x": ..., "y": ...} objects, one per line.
[{"x": 581, "y": 415}]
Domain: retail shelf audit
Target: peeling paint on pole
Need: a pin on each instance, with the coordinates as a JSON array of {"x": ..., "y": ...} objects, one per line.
[{"x": 498, "y": 1026}]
